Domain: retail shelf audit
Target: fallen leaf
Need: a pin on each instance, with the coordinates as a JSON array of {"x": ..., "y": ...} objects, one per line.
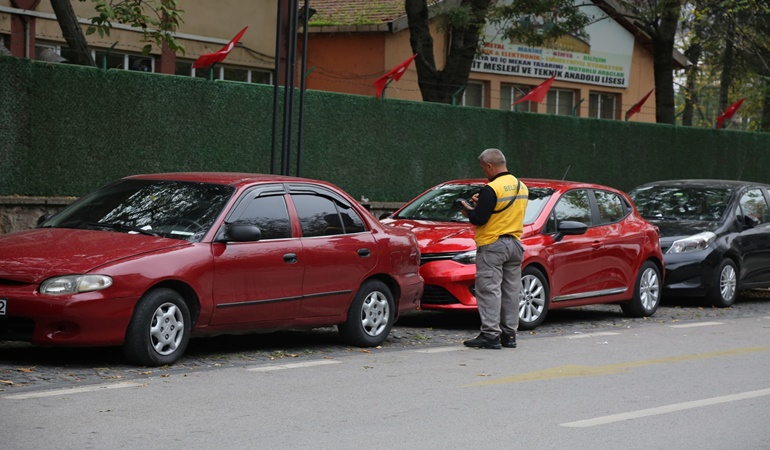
[
  {"x": 149, "y": 372},
  {"x": 8, "y": 382},
  {"x": 483, "y": 375},
  {"x": 25, "y": 369},
  {"x": 165, "y": 375}
]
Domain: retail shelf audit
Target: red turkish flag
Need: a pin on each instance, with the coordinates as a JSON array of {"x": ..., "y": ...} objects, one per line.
[
  {"x": 394, "y": 74},
  {"x": 729, "y": 112},
  {"x": 537, "y": 94},
  {"x": 638, "y": 106},
  {"x": 209, "y": 59}
]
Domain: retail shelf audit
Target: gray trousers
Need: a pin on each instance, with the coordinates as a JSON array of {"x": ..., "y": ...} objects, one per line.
[{"x": 498, "y": 282}]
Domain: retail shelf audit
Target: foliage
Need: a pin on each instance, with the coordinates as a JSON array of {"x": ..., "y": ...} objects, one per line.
[
  {"x": 158, "y": 19},
  {"x": 537, "y": 22}
]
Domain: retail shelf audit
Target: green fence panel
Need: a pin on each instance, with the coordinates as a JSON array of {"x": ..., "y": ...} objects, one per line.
[{"x": 65, "y": 130}]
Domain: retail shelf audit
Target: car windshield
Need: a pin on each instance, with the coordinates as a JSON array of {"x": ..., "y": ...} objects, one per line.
[
  {"x": 173, "y": 209},
  {"x": 702, "y": 203},
  {"x": 438, "y": 203}
]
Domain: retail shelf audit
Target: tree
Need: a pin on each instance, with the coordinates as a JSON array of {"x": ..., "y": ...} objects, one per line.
[
  {"x": 158, "y": 20},
  {"x": 530, "y": 21}
]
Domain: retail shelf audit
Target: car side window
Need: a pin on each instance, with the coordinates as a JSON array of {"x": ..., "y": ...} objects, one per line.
[
  {"x": 319, "y": 216},
  {"x": 574, "y": 206},
  {"x": 610, "y": 206},
  {"x": 753, "y": 204},
  {"x": 270, "y": 215}
]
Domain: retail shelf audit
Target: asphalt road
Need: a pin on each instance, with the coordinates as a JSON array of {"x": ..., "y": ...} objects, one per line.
[
  {"x": 690, "y": 378},
  {"x": 25, "y": 367}
]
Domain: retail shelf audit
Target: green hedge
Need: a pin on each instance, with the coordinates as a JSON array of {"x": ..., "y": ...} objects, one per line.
[{"x": 65, "y": 130}]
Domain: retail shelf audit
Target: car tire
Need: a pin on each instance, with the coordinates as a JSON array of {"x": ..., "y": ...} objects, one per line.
[
  {"x": 647, "y": 292},
  {"x": 533, "y": 298},
  {"x": 370, "y": 316},
  {"x": 159, "y": 329},
  {"x": 725, "y": 285}
]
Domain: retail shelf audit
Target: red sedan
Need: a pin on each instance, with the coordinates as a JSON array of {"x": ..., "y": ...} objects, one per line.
[
  {"x": 584, "y": 244},
  {"x": 150, "y": 260}
]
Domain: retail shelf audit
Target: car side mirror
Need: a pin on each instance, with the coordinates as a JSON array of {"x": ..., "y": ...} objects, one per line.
[
  {"x": 240, "y": 232},
  {"x": 569, "y": 228},
  {"x": 747, "y": 221},
  {"x": 41, "y": 220}
]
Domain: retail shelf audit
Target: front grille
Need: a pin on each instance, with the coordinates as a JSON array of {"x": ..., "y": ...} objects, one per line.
[
  {"x": 16, "y": 329},
  {"x": 436, "y": 295},
  {"x": 429, "y": 257}
]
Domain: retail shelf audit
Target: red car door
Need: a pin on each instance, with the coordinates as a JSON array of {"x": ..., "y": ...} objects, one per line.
[
  {"x": 577, "y": 267},
  {"x": 259, "y": 281},
  {"x": 339, "y": 252}
]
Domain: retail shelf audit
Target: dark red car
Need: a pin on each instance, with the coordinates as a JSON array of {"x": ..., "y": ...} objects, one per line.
[
  {"x": 584, "y": 244},
  {"x": 150, "y": 260}
]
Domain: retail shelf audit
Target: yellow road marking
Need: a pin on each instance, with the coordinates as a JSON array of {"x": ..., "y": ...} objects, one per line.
[{"x": 572, "y": 371}]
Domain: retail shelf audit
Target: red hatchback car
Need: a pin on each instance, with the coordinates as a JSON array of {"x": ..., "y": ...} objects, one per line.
[
  {"x": 584, "y": 244},
  {"x": 150, "y": 260}
]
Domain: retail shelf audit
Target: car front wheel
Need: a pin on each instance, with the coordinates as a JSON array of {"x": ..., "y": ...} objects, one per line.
[
  {"x": 646, "y": 292},
  {"x": 370, "y": 316},
  {"x": 533, "y": 298},
  {"x": 159, "y": 330},
  {"x": 725, "y": 286}
]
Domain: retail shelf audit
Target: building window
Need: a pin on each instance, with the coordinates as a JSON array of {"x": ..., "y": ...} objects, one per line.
[
  {"x": 560, "y": 101},
  {"x": 601, "y": 105},
  {"x": 473, "y": 95},
  {"x": 509, "y": 93},
  {"x": 230, "y": 73}
]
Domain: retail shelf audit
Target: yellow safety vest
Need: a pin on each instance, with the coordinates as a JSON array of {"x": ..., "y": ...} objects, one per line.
[{"x": 508, "y": 216}]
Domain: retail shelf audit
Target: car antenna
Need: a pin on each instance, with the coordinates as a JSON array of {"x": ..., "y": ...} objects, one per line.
[{"x": 566, "y": 172}]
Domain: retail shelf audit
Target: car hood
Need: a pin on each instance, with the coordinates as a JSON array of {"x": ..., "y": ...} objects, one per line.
[
  {"x": 32, "y": 256},
  {"x": 442, "y": 237},
  {"x": 438, "y": 237},
  {"x": 683, "y": 228}
]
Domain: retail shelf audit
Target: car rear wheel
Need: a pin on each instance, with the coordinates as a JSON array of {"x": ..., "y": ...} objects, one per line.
[
  {"x": 725, "y": 286},
  {"x": 533, "y": 298},
  {"x": 370, "y": 317},
  {"x": 646, "y": 292},
  {"x": 159, "y": 330}
]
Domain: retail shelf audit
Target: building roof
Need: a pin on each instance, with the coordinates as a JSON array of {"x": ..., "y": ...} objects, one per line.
[{"x": 355, "y": 12}]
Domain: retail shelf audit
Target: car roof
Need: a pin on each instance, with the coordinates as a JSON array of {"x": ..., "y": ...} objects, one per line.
[
  {"x": 704, "y": 182},
  {"x": 228, "y": 178},
  {"x": 538, "y": 182}
]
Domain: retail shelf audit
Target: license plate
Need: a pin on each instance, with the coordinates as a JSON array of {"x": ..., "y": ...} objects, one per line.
[{"x": 3, "y": 306}]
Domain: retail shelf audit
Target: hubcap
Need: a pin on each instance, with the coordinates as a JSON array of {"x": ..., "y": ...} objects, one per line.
[
  {"x": 649, "y": 289},
  {"x": 531, "y": 299},
  {"x": 166, "y": 329},
  {"x": 375, "y": 313},
  {"x": 727, "y": 282}
]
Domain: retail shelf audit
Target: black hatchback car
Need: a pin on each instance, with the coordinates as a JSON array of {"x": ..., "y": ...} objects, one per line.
[{"x": 715, "y": 235}]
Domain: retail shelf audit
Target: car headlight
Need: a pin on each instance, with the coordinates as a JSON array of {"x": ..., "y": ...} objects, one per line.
[
  {"x": 693, "y": 243},
  {"x": 72, "y": 284},
  {"x": 466, "y": 257}
]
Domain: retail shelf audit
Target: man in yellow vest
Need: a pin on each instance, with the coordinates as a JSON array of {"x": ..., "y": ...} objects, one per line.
[{"x": 499, "y": 219}]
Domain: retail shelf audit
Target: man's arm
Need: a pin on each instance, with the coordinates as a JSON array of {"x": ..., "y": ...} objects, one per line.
[{"x": 484, "y": 206}]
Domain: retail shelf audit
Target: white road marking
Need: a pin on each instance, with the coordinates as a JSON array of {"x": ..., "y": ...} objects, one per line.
[
  {"x": 699, "y": 324},
  {"x": 588, "y": 335},
  {"x": 73, "y": 390},
  {"x": 441, "y": 349},
  {"x": 665, "y": 409},
  {"x": 293, "y": 365}
]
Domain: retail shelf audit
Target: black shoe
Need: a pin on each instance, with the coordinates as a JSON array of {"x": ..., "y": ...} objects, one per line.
[
  {"x": 482, "y": 341},
  {"x": 508, "y": 340}
]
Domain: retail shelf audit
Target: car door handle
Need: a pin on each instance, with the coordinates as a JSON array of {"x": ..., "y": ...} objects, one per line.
[
  {"x": 364, "y": 252},
  {"x": 596, "y": 244},
  {"x": 290, "y": 258}
]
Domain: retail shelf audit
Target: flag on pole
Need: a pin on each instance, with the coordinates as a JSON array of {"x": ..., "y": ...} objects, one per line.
[
  {"x": 393, "y": 74},
  {"x": 537, "y": 94},
  {"x": 729, "y": 112},
  {"x": 209, "y": 59},
  {"x": 638, "y": 106}
]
